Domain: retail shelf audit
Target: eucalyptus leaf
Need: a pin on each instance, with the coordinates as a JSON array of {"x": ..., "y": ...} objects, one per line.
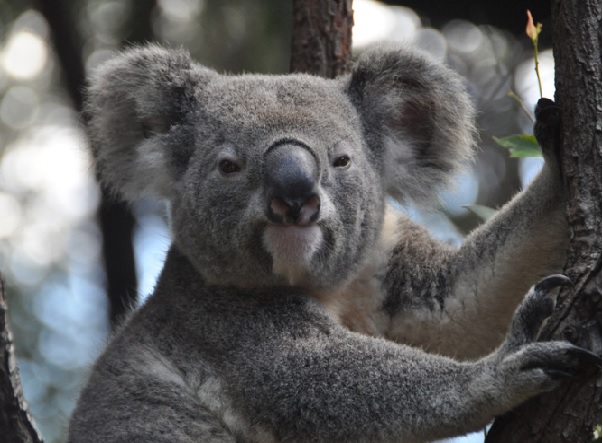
[{"x": 520, "y": 145}]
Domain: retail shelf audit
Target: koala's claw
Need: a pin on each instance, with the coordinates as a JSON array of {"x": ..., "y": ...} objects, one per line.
[
  {"x": 576, "y": 357},
  {"x": 556, "y": 374},
  {"x": 584, "y": 356},
  {"x": 551, "y": 282},
  {"x": 537, "y": 306},
  {"x": 539, "y": 364}
]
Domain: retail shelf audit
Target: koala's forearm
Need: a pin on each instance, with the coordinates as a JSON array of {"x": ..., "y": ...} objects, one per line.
[
  {"x": 466, "y": 309},
  {"x": 289, "y": 392},
  {"x": 307, "y": 397}
]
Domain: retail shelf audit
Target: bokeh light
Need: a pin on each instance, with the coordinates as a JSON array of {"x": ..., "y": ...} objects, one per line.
[
  {"x": 375, "y": 22},
  {"x": 24, "y": 55}
]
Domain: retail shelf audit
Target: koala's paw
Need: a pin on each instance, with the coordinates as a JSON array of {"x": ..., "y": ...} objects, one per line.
[
  {"x": 547, "y": 128},
  {"x": 535, "y": 308},
  {"x": 529, "y": 367},
  {"x": 540, "y": 367}
]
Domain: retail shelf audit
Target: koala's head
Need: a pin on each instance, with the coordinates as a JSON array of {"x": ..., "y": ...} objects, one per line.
[{"x": 276, "y": 180}]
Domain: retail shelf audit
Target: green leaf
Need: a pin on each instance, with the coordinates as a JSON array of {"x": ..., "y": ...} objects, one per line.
[
  {"x": 483, "y": 212},
  {"x": 520, "y": 145}
]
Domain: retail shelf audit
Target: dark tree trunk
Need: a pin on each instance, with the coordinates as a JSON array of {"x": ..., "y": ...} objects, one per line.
[
  {"x": 67, "y": 44},
  {"x": 115, "y": 218},
  {"x": 16, "y": 424},
  {"x": 571, "y": 413},
  {"x": 322, "y": 37},
  {"x": 117, "y": 227}
]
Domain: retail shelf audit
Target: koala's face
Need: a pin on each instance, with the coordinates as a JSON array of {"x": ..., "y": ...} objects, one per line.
[
  {"x": 277, "y": 180},
  {"x": 279, "y": 188}
]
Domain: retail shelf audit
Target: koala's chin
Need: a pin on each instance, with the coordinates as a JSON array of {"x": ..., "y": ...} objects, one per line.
[{"x": 292, "y": 249}]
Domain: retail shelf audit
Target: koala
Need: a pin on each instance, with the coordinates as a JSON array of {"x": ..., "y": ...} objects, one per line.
[{"x": 295, "y": 305}]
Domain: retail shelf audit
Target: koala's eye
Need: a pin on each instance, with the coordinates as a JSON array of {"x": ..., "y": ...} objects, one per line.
[
  {"x": 343, "y": 161},
  {"x": 228, "y": 166}
]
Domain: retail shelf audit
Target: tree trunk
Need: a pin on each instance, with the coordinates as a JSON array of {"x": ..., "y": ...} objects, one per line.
[
  {"x": 571, "y": 413},
  {"x": 322, "y": 37},
  {"x": 115, "y": 219},
  {"x": 16, "y": 424}
]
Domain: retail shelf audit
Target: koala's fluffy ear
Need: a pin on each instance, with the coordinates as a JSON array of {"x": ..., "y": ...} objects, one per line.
[
  {"x": 417, "y": 115},
  {"x": 135, "y": 105}
]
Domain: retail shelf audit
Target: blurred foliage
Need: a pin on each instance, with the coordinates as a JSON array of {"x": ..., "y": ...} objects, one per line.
[
  {"x": 49, "y": 240},
  {"x": 597, "y": 435}
]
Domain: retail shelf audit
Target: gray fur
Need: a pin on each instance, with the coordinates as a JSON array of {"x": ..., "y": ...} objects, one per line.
[{"x": 249, "y": 339}]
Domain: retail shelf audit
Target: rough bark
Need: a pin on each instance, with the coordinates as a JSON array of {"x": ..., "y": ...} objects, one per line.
[
  {"x": 322, "y": 37},
  {"x": 570, "y": 413},
  {"x": 16, "y": 423}
]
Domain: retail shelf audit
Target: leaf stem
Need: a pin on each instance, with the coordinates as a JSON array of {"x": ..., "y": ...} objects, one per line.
[{"x": 535, "y": 44}]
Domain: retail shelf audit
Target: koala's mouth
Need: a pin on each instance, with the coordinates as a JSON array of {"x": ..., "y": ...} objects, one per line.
[{"x": 292, "y": 249}]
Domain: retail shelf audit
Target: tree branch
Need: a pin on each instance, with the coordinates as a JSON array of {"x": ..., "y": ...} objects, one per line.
[{"x": 16, "y": 422}]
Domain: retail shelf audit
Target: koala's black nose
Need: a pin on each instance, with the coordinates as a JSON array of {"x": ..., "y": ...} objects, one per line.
[{"x": 291, "y": 185}]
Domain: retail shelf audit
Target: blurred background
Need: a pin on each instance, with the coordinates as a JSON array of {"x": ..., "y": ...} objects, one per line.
[{"x": 54, "y": 231}]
